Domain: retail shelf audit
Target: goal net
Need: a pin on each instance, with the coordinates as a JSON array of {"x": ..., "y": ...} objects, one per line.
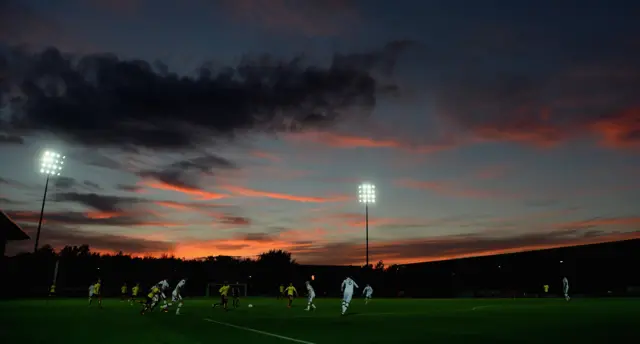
[{"x": 212, "y": 289}]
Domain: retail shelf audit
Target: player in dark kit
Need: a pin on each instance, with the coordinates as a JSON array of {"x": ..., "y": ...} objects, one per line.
[{"x": 235, "y": 293}]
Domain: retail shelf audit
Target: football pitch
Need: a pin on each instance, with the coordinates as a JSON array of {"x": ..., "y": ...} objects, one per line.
[{"x": 70, "y": 321}]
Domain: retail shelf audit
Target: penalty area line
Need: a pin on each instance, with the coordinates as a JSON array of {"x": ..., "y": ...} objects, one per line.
[{"x": 258, "y": 331}]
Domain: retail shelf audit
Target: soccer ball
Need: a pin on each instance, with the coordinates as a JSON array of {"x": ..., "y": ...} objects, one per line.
[{"x": 250, "y": 306}]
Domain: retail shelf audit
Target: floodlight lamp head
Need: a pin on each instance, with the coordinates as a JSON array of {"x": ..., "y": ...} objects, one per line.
[
  {"x": 367, "y": 193},
  {"x": 51, "y": 163}
]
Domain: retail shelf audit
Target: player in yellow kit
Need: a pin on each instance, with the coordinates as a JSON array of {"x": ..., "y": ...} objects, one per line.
[
  {"x": 123, "y": 292},
  {"x": 52, "y": 290},
  {"x": 97, "y": 293},
  {"x": 224, "y": 292},
  {"x": 134, "y": 293},
  {"x": 291, "y": 292},
  {"x": 281, "y": 295},
  {"x": 152, "y": 299}
]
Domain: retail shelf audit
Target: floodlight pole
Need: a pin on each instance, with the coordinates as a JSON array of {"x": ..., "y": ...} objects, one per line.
[
  {"x": 366, "y": 223},
  {"x": 44, "y": 198}
]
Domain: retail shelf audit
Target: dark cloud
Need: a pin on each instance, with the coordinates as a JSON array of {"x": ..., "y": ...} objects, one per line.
[
  {"x": 4, "y": 200},
  {"x": 60, "y": 236},
  {"x": 546, "y": 84},
  {"x": 141, "y": 106},
  {"x": 185, "y": 173},
  {"x": 183, "y": 179},
  {"x": 11, "y": 139},
  {"x": 260, "y": 237},
  {"x": 13, "y": 183},
  {"x": 129, "y": 188},
  {"x": 236, "y": 220},
  {"x": 67, "y": 183},
  {"x": 64, "y": 182},
  {"x": 92, "y": 185},
  {"x": 74, "y": 218},
  {"x": 98, "y": 159},
  {"x": 97, "y": 202},
  {"x": 204, "y": 164}
]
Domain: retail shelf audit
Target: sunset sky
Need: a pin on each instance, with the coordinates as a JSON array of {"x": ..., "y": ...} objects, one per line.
[{"x": 231, "y": 127}]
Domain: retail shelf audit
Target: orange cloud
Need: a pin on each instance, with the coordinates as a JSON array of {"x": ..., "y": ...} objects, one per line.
[
  {"x": 620, "y": 131},
  {"x": 201, "y": 194},
  {"x": 231, "y": 247},
  {"x": 237, "y": 190},
  {"x": 352, "y": 141},
  {"x": 451, "y": 189},
  {"x": 211, "y": 210},
  {"x": 542, "y": 135},
  {"x": 103, "y": 215}
]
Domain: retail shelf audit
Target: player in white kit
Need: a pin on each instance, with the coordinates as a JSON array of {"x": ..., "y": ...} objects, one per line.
[
  {"x": 164, "y": 287},
  {"x": 565, "y": 288},
  {"x": 312, "y": 295},
  {"x": 90, "y": 292},
  {"x": 347, "y": 289},
  {"x": 176, "y": 297},
  {"x": 367, "y": 292}
]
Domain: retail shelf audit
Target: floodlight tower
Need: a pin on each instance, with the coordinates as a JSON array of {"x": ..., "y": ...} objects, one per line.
[
  {"x": 367, "y": 195},
  {"x": 50, "y": 165}
]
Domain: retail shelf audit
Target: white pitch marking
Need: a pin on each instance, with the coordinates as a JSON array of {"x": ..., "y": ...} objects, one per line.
[
  {"x": 481, "y": 307},
  {"x": 258, "y": 331}
]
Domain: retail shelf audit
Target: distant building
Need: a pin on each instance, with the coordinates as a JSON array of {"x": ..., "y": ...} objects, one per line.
[{"x": 9, "y": 230}]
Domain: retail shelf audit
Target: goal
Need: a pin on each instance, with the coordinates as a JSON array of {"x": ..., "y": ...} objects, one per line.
[{"x": 212, "y": 288}]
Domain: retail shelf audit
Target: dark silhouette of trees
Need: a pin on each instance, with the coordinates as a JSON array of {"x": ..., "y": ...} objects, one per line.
[{"x": 601, "y": 269}]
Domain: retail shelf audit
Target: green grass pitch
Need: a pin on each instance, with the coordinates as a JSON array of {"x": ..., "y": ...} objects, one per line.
[{"x": 70, "y": 321}]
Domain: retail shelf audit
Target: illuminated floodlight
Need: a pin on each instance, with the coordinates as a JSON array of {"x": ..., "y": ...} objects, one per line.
[
  {"x": 367, "y": 193},
  {"x": 51, "y": 163}
]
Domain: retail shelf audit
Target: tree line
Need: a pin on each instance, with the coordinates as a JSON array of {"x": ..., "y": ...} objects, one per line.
[{"x": 595, "y": 269}]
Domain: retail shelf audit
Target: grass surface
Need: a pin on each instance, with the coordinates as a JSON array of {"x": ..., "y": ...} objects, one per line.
[{"x": 70, "y": 321}]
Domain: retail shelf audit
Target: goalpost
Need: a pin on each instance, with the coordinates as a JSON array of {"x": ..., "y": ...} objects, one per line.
[{"x": 212, "y": 288}]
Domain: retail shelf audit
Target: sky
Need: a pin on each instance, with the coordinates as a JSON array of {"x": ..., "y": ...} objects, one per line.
[{"x": 232, "y": 127}]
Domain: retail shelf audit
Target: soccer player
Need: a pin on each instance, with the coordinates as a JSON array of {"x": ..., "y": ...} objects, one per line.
[
  {"x": 97, "y": 289},
  {"x": 224, "y": 291},
  {"x": 52, "y": 290},
  {"x": 545, "y": 288},
  {"x": 565, "y": 288},
  {"x": 291, "y": 291},
  {"x": 235, "y": 293},
  {"x": 281, "y": 295},
  {"x": 311, "y": 295},
  {"x": 367, "y": 292},
  {"x": 347, "y": 289},
  {"x": 164, "y": 287},
  {"x": 90, "y": 294},
  {"x": 152, "y": 299},
  {"x": 123, "y": 292},
  {"x": 176, "y": 297},
  {"x": 134, "y": 293}
]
